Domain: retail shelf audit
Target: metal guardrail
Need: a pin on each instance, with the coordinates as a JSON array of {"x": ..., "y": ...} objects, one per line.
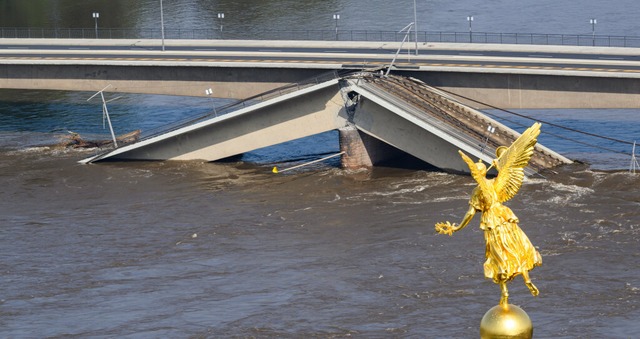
[{"x": 323, "y": 35}]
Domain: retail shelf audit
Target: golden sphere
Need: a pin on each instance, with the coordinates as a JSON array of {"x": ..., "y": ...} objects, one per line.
[{"x": 508, "y": 321}]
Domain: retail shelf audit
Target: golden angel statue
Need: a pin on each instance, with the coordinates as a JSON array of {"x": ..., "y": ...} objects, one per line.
[{"x": 509, "y": 251}]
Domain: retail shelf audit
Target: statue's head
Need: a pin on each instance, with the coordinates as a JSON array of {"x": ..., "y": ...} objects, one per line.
[{"x": 480, "y": 166}]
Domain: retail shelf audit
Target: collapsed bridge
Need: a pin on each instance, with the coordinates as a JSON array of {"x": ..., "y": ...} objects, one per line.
[{"x": 379, "y": 116}]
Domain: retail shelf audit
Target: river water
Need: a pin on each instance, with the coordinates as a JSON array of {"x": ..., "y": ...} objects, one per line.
[{"x": 208, "y": 250}]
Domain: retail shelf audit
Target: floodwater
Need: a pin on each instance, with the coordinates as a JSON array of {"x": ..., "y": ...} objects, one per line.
[
  {"x": 191, "y": 249},
  {"x": 195, "y": 249},
  {"x": 209, "y": 250}
]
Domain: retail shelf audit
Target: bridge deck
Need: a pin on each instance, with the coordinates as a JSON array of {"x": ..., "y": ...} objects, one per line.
[{"x": 507, "y": 76}]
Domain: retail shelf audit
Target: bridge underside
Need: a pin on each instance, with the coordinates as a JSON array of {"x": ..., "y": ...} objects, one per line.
[
  {"x": 536, "y": 91},
  {"x": 511, "y": 89},
  {"x": 400, "y": 114},
  {"x": 234, "y": 82}
]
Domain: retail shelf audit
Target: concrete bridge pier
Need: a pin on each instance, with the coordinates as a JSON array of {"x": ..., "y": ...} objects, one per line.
[{"x": 362, "y": 150}]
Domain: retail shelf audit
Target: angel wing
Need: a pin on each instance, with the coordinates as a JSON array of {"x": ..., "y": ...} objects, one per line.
[
  {"x": 511, "y": 163},
  {"x": 478, "y": 175}
]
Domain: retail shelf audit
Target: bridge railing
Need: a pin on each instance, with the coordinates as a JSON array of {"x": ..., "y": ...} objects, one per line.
[{"x": 324, "y": 35}]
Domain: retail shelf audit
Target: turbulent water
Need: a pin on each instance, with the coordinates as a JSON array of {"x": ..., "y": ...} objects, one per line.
[
  {"x": 208, "y": 250},
  {"x": 195, "y": 249}
]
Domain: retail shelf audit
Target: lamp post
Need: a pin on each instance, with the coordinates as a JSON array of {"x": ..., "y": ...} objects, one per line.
[
  {"x": 593, "y": 23},
  {"x": 415, "y": 23},
  {"x": 162, "y": 24},
  {"x": 209, "y": 92},
  {"x": 96, "y": 15},
  {"x": 470, "y": 19},
  {"x": 336, "y": 17},
  {"x": 221, "y": 17}
]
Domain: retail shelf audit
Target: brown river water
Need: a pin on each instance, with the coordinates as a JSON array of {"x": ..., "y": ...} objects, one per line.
[{"x": 206, "y": 250}]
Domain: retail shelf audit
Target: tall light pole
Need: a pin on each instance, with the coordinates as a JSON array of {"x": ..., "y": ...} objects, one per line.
[
  {"x": 336, "y": 17},
  {"x": 415, "y": 23},
  {"x": 209, "y": 92},
  {"x": 162, "y": 24},
  {"x": 470, "y": 19},
  {"x": 96, "y": 15},
  {"x": 593, "y": 23}
]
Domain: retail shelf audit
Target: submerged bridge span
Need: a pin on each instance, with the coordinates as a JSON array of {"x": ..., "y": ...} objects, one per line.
[{"x": 378, "y": 116}]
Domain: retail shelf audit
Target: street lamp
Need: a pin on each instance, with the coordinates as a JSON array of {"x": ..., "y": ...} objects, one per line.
[
  {"x": 96, "y": 15},
  {"x": 220, "y": 17},
  {"x": 593, "y": 23},
  {"x": 336, "y": 17},
  {"x": 470, "y": 19}
]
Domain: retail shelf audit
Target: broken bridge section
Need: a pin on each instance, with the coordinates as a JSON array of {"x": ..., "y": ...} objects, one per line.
[
  {"x": 424, "y": 122},
  {"x": 378, "y": 117},
  {"x": 298, "y": 111}
]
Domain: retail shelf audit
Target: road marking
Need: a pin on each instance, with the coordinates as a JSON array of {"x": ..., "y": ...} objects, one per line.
[
  {"x": 540, "y": 56},
  {"x": 471, "y": 54}
]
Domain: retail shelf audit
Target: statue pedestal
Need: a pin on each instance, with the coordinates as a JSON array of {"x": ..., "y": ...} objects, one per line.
[{"x": 508, "y": 321}]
